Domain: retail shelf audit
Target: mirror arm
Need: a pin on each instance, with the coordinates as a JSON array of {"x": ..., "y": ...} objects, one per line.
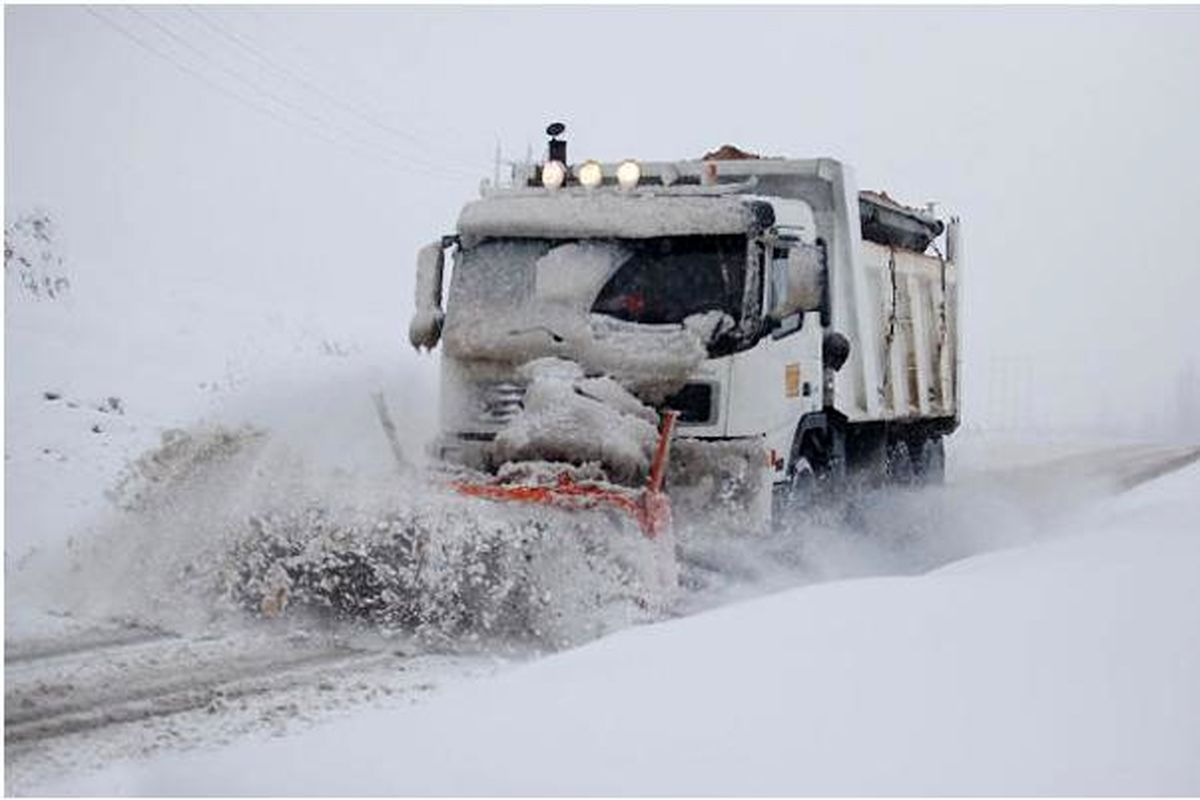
[{"x": 425, "y": 328}]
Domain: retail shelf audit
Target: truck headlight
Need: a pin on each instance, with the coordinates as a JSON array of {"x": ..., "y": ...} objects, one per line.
[
  {"x": 628, "y": 174},
  {"x": 553, "y": 174},
  {"x": 590, "y": 174}
]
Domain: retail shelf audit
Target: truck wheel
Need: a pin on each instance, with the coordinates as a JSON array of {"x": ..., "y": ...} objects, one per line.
[
  {"x": 931, "y": 464},
  {"x": 899, "y": 463},
  {"x": 801, "y": 488},
  {"x": 831, "y": 480},
  {"x": 816, "y": 478}
]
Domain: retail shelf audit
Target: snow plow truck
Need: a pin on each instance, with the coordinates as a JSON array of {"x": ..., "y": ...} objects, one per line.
[
  {"x": 657, "y": 337},
  {"x": 637, "y": 360}
]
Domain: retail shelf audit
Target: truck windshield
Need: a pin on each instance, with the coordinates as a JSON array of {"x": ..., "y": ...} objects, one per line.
[
  {"x": 651, "y": 281},
  {"x": 668, "y": 279}
]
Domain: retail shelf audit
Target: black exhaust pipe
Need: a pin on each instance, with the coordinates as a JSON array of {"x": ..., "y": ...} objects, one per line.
[{"x": 558, "y": 147}]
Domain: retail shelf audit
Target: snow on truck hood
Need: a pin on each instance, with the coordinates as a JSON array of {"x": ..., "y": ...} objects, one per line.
[
  {"x": 604, "y": 215},
  {"x": 652, "y": 361}
]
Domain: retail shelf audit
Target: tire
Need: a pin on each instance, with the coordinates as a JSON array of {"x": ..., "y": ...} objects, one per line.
[
  {"x": 796, "y": 497},
  {"x": 899, "y": 463},
  {"x": 816, "y": 477},
  {"x": 802, "y": 484},
  {"x": 931, "y": 462}
]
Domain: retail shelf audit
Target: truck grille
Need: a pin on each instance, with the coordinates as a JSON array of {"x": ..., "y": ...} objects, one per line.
[{"x": 500, "y": 402}]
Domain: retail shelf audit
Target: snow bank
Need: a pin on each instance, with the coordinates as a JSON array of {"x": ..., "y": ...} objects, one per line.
[{"x": 1067, "y": 667}]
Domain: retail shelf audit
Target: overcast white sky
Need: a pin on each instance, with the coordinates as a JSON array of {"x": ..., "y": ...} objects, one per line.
[{"x": 209, "y": 153}]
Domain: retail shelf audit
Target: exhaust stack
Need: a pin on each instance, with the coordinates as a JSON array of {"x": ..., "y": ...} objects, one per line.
[{"x": 558, "y": 147}]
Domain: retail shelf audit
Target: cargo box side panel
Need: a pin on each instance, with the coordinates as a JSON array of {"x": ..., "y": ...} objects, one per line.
[
  {"x": 861, "y": 391},
  {"x": 912, "y": 299},
  {"x": 949, "y": 366},
  {"x": 926, "y": 334}
]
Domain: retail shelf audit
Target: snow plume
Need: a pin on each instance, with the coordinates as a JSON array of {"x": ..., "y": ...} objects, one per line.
[
  {"x": 987, "y": 504},
  {"x": 220, "y": 524},
  {"x": 876, "y": 532}
]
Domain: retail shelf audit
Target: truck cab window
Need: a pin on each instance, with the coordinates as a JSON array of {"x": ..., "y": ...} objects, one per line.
[
  {"x": 777, "y": 285},
  {"x": 668, "y": 279}
]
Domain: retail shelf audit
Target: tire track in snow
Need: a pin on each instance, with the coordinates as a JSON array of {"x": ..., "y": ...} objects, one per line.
[
  {"x": 91, "y": 685},
  {"x": 83, "y": 642},
  {"x": 67, "y": 714}
]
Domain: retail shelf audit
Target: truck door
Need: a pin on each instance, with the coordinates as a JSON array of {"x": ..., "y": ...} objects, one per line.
[{"x": 777, "y": 380}]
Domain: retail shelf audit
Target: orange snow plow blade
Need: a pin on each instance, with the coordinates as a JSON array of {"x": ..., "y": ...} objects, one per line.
[{"x": 650, "y": 507}]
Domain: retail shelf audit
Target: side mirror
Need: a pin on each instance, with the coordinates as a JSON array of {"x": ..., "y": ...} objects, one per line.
[
  {"x": 797, "y": 279},
  {"x": 425, "y": 329},
  {"x": 835, "y": 349}
]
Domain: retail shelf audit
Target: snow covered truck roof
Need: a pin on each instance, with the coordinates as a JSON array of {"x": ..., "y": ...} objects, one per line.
[
  {"x": 727, "y": 192},
  {"x": 609, "y": 214}
]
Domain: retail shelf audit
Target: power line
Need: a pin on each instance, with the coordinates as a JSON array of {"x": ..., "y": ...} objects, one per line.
[
  {"x": 256, "y": 53},
  {"x": 143, "y": 44},
  {"x": 307, "y": 54},
  {"x": 296, "y": 108},
  {"x": 223, "y": 90}
]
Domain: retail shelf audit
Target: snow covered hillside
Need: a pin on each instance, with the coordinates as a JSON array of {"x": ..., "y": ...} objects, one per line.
[{"x": 1063, "y": 667}]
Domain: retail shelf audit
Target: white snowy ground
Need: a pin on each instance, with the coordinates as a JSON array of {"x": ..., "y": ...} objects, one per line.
[{"x": 1067, "y": 666}]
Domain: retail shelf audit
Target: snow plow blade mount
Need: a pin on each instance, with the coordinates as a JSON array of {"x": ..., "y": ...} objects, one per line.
[{"x": 650, "y": 507}]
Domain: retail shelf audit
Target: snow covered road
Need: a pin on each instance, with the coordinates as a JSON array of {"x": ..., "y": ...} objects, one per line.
[
  {"x": 132, "y": 678},
  {"x": 80, "y": 702},
  {"x": 1065, "y": 667},
  {"x": 73, "y": 708}
]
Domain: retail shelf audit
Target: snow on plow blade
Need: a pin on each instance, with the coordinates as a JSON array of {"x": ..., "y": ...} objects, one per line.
[{"x": 650, "y": 507}]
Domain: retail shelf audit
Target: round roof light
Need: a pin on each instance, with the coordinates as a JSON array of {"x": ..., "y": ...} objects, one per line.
[
  {"x": 628, "y": 174},
  {"x": 553, "y": 174},
  {"x": 590, "y": 174}
]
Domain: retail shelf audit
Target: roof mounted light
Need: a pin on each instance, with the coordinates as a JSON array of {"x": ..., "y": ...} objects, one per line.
[
  {"x": 628, "y": 174},
  {"x": 590, "y": 174},
  {"x": 553, "y": 174}
]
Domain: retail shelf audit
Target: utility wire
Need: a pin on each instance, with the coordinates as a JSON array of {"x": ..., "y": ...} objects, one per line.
[
  {"x": 307, "y": 54},
  {"x": 296, "y": 108},
  {"x": 131, "y": 36},
  {"x": 280, "y": 69},
  {"x": 225, "y": 91},
  {"x": 268, "y": 112}
]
